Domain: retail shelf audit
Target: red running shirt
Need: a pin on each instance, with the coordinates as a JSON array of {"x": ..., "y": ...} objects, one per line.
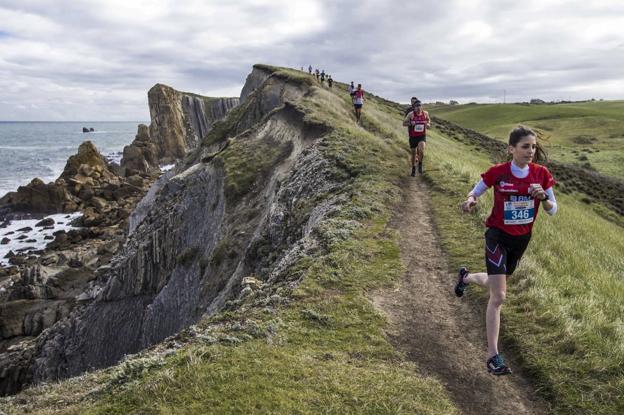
[
  {"x": 420, "y": 128},
  {"x": 514, "y": 210}
]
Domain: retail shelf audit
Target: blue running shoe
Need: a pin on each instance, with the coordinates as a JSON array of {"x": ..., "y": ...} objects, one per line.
[
  {"x": 461, "y": 285},
  {"x": 496, "y": 366}
]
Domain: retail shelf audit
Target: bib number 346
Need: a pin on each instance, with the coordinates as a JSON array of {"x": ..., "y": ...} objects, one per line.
[{"x": 519, "y": 212}]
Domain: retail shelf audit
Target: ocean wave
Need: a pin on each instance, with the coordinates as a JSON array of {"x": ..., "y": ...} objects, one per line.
[{"x": 114, "y": 157}]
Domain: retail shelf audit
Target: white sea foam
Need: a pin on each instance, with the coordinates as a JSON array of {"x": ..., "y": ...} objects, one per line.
[
  {"x": 38, "y": 234},
  {"x": 114, "y": 157}
]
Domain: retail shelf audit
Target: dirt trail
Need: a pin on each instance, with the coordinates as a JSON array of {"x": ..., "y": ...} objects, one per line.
[{"x": 444, "y": 335}]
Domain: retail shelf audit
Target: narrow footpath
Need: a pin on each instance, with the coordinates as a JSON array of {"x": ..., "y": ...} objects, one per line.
[{"x": 444, "y": 335}]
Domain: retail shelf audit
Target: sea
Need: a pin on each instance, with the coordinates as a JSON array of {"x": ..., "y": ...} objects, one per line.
[{"x": 41, "y": 149}]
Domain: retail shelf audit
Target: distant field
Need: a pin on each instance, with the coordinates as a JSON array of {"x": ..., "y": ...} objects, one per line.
[{"x": 589, "y": 134}]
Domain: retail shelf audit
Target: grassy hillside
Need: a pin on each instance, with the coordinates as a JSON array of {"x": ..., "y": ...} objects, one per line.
[
  {"x": 565, "y": 304},
  {"x": 589, "y": 134},
  {"x": 317, "y": 345},
  {"x": 320, "y": 346}
]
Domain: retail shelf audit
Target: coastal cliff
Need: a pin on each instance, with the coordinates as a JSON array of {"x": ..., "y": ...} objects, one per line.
[
  {"x": 180, "y": 119},
  {"x": 297, "y": 267},
  {"x": 221, "y": 216},
  {"x": 42, "y": 284}
]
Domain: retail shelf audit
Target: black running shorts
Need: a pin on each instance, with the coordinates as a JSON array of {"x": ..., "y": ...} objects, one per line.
[
  {"x": 415, "y": 140},
  {"x": 503, "y": 251},
  {"x": 357, "y": 106}
]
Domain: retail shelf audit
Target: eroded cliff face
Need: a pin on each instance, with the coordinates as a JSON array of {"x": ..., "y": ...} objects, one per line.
[
  {"x": 246, "y": 203},
  {"x": 180, "y": 120},
  {"x": 42, "y": 284},
  {"x": 255, "y": 79}
]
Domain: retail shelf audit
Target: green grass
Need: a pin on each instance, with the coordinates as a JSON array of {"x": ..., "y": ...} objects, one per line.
[
  {"x": 292, "y": 76},
  {"x": 563, "y": 317},
  {"x": 319, "y": 348},
  {"x": 329, "y": 350},
  {"x": 590, "y": 134},
  {"x": 246, "y": 162}
]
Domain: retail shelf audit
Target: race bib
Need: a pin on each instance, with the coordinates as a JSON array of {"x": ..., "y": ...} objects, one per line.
[
  {"x": 419, "y": 128},
  {"x": 519, "y": 212}
]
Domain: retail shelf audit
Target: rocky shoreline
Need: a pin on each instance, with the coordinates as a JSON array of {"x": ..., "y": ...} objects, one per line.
[
  {"x": 56, "y": 236},
  {"x": 57, "y": 239}
]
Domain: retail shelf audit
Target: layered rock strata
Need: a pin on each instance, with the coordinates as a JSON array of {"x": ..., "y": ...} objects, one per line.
[
  {"x": 42, "y": 286},
  {"x": 179, "y": 120},
  {"x": 208, "y": 227}
]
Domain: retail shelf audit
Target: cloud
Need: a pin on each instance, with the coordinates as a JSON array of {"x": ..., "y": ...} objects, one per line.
[{"x": 97, "y": 59}]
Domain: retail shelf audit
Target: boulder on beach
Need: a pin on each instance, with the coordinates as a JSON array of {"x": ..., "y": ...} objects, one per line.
[
  {"x": 17, "y": 259},
  {"x": 45, "y": 222},
  {"x": 38, "y": 197}
]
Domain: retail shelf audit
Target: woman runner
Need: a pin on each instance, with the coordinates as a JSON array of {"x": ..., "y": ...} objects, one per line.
[
  {"x": 520, "y": 186},
  {"x": 358, "y": 101}
]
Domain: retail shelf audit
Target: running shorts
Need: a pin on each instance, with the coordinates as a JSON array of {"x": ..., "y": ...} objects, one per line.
[
  {"x": 357, "y": 106},
  {"x": 503, "y": 251},
  {"x": 415, "y": 140}
]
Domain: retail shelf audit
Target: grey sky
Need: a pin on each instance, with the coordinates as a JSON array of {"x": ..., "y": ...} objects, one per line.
[{"x": 96, "y": 59}]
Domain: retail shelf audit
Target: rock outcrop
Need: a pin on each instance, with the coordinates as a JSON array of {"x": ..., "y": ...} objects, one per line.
[
  {"x": 88, "y": 160},
  {"x": 33, "y": 301},
  {"x": 44, "y": 285},
  {"x": 141, "y": 156},
  {"x": 180, "y": 120},
  {"x": 38, "y": 197},
  {"x": 88, "y": 183},
  {"x": 258, "y": 75},
  {"x": 197, "y": 236}
]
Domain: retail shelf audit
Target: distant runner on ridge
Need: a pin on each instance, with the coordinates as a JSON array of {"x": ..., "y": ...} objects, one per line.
[
  {"x": 358, "y": 101},
  {"x": 417, "y": 122},
  {"x": 520, "y": 186},
  {"x": 351, "y": 90}
]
